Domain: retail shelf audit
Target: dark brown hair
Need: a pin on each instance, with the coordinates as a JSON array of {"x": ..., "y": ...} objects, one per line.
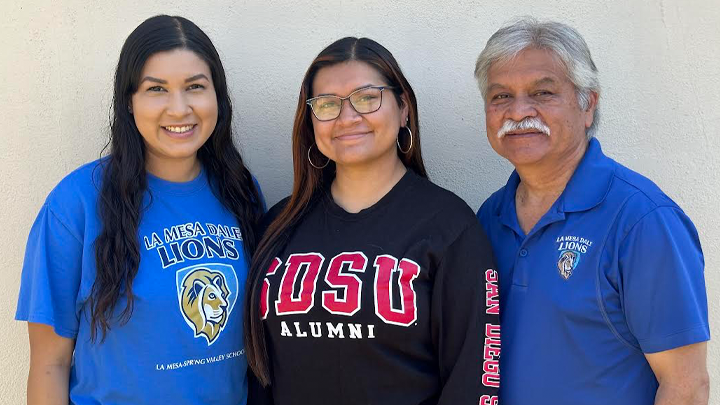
[
  {"x": 124, "y": 180},
  {"x": 308, "y": 181}
]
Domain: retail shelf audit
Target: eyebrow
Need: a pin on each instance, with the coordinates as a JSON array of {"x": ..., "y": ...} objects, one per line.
[
  {"x": 544, "y": 80},
  {"x": 161, "y": 81},
  {"x": 153, "y": 79},
  {"x": 493, "y": 87},
  {"x": 353, "y": 90},
  {"x": 196, "y": 77},
  {"x": 539, "y": 82}
]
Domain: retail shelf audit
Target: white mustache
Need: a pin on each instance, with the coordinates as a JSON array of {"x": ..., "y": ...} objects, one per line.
[{"x": 529, "y": 123}]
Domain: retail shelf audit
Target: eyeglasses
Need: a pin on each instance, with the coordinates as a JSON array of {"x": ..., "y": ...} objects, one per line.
[{"x": 364, "y": 101}]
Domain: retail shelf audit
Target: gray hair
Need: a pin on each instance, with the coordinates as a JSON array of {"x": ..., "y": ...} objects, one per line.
[{"x": 561, "y": 39}]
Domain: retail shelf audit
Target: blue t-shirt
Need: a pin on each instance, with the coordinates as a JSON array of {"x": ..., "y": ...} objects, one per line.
[
  {"x": 613, "y": 270},
  {"x": 183, "y": 343}
]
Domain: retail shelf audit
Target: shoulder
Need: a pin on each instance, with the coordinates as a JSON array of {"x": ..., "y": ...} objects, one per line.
[
  {"x": 440, "y": 206},
  {"x": 275, "y": 210},
  {"x": 439, "y": 199},
  {"x": 75, "y": 196},
  {"x": 489, "y": 212},
  {"x": 640, "y": 197},
  {"x": 86, "y": 179},
  {"x": 491, "y": 206},
  {"x": 643, "y": 190}
]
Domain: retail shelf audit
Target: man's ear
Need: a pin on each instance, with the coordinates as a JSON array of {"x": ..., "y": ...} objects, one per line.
[{"x": 593, "y": 97}]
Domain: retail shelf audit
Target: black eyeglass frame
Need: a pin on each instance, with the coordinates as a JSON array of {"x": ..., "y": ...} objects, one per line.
[{"x": 310, "y": 100}]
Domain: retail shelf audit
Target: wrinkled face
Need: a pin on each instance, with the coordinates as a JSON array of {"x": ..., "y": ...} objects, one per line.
[
  {"x": 354, "y": 139},
  {"x": 175, "y": 107},
  {"x": 534, "y": 87}
]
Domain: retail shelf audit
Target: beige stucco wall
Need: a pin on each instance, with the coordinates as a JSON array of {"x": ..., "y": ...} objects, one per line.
[{"x": 659, "y": 61}]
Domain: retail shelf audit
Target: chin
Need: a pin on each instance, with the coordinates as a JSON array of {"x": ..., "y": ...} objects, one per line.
[
  {"x": 181, "y": 153},
  {"x": 524, "y": 160},
  {"x": 351, "y": 162},
  {"x": 522, "y": 156},
  {"x": 352, "y": 158}
]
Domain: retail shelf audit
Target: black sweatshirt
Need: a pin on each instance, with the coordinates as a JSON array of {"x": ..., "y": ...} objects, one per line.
[{"x": 396, "y": 304}]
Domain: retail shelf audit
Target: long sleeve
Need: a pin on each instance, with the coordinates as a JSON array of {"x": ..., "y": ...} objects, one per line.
[{"x": 466, "y": 327}]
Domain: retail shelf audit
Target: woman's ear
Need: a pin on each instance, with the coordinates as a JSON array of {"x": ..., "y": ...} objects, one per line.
[{"x": 404, "y": 110}]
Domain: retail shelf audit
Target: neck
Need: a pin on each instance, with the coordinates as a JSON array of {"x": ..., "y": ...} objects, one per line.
[
  {"x": 175, "y": 170},
  {"x": 357, "y": 188},
  {"x": 541, "y": 185}
]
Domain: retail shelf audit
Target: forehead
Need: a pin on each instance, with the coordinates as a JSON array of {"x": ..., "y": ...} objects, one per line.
[
  {"x": 343, "y": 78},
  {"x": 529, "y": 66},
  {"x": 180, "y": 63}
]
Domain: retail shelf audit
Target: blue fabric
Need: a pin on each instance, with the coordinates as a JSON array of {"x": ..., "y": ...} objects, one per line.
[
  {"x": 183, "y": 342},
  {"x": 612, "y": 271}
]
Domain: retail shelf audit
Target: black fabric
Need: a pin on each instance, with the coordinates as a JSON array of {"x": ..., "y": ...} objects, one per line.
[{"x": 323, "y": 358}]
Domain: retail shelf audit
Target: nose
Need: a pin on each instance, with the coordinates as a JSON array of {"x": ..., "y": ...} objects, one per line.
[
  {"x": 348, "y": 115},
  {"x": 178, "y": 105},
  {"x": 521, "y": 107}
]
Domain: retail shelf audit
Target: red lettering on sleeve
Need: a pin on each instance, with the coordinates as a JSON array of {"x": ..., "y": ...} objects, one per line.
[
  {"x": 491, "y": 356},
  {"x": 492, "y": 295}
]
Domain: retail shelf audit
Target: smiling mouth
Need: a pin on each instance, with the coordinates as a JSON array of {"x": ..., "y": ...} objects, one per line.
[
  {"x": 349, "y": 137},
  {"x": 179, "y": 129}
]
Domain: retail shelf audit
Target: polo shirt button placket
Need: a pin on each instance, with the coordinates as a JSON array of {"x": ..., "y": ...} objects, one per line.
[{"x": 521, "y": 271}]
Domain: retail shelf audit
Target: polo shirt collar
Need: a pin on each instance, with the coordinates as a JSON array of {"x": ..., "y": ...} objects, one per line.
[
  {"x": 590, "y": 183},
  {"x": 506, "y": 210},
  {"x": 588, "y": 186}
]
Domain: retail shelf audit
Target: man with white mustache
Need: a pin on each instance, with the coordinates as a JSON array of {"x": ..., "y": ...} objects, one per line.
[{"x": 601, "y": 274}]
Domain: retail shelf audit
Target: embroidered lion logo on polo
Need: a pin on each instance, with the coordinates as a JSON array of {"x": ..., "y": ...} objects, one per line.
[
  {"x": 206, "y": 299},
  {"x": 571, "y": 248},
  {"x": 567, "y": 263}
]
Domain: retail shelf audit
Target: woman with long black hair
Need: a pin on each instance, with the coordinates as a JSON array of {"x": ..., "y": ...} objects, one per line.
[
  {"x": 371, "y": 285},
  {"x": 136, "y": 263}
]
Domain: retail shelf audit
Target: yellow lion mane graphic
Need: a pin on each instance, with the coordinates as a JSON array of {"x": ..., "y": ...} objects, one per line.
[{"x": 204, "y": 302}]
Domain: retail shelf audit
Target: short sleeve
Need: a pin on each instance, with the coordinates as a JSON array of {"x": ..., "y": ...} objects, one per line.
[
  {"x": 51, "y": 275},
  {"x": 466, "y": 320},
  {"x": 662, "y": 270}
]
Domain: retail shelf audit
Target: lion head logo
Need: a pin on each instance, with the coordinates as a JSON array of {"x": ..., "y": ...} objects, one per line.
[
  {"x": 204, "y": 302},
  {"x": 567, "y": 263}
]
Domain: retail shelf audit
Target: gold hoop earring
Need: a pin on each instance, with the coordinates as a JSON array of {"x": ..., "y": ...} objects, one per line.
[
  {"x": 397, "y": 140},
  {"x": 311, "y": 162}
]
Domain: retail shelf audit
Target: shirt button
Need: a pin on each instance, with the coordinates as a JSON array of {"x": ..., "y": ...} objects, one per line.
[{"x": 523, "y": 252}]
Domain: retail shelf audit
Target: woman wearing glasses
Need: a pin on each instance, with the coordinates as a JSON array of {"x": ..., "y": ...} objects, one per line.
[
  {"x": 371, "y": 285},
  {"x": 137, "y": 260}
]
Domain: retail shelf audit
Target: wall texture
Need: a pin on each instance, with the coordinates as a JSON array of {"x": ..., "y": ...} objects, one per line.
[{"x": 659, "y": 62}]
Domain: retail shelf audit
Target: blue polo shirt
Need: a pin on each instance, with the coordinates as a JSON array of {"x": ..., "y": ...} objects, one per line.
[{"x": 612, "y": 271}]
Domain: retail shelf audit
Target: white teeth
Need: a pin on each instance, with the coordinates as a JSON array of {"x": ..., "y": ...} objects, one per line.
[{"x": 179, "y": 130}]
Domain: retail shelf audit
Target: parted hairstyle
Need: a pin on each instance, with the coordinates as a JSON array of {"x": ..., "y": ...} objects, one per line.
[
  {"x": 308, "y": 181},
  {"x": 124, "y": 179},
  {"x": 564, "y": 41}
]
